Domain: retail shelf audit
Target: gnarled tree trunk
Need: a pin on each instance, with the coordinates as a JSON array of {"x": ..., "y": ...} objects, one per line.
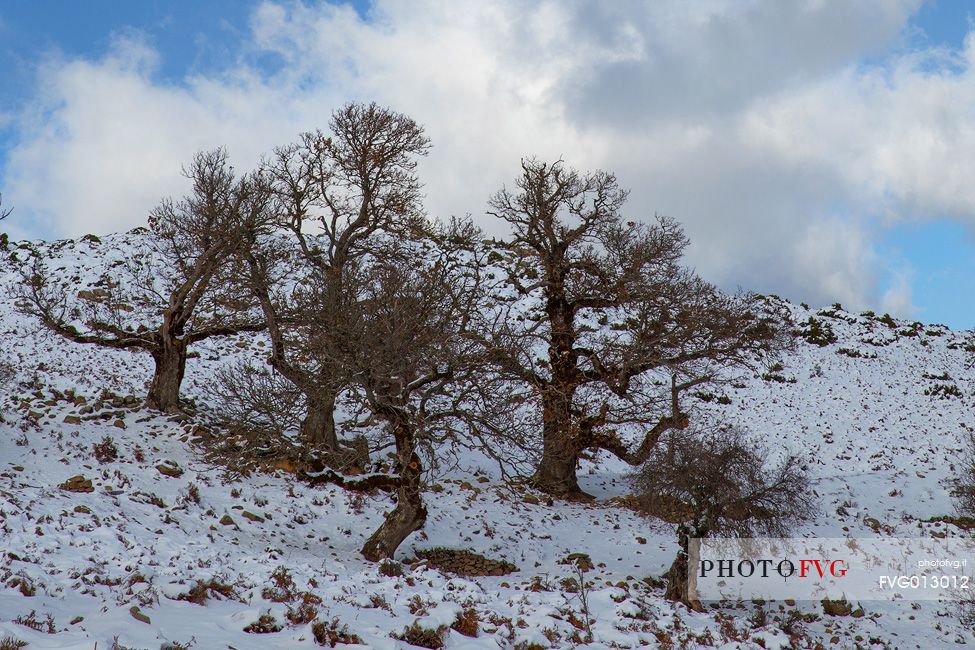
[
  {"x": 410, "y": 513},
  {"x": 170, "y": 360},
  {"x": 318, "y": 427},
  {"x": 677, "y": 576},
  {"x": 556, "y": 471}
]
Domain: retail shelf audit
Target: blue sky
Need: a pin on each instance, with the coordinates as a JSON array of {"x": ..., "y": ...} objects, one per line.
[{"x": 916, "y": 250}]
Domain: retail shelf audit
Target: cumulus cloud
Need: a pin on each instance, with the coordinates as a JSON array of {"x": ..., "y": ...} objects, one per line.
[{"x": 752, "y": 122}]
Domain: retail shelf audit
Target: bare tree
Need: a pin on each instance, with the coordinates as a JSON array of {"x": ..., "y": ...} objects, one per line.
[
  {"x": 254, "y": 397},
  {"x": 719, "y": 484},
  {"x": 334, "y": 192},
  {"x": 416, "y": 368},
  {"x": 602, "y": 312},
  {"x": 178, "y": 297}
]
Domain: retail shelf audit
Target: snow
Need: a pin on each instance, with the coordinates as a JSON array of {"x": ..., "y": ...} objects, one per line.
[{"x": 876, "y": 445}]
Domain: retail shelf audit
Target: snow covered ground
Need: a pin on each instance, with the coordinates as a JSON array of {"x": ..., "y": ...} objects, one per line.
[{"x": 122, "y": 564}]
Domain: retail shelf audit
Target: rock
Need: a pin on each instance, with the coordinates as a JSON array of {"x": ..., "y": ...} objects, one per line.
[
  {"x": 227, "y": 520},
  {"x": 76, "y": 620},
  {"x": 581, "y": 560},
  {"x": 169, "y": 468},
  {"x": 77, "y": 484},
  {"x": 139, "y": 616},
  {"x": 250, "y": 515},
  {"x": 465, "y": 563},
  {"x": 84, "y": 510},
  {"x": 120, "y": 423},
  {"x": 72, "y": 419}
]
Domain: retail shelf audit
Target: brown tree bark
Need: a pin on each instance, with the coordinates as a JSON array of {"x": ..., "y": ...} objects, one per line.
[
  {"x": 678, "y": 587},
  {"x": 318, "y": 427},
  {"x": 556, "y": 471},
  {"x": 170, "y": 360},
  {"x": 410, "y": 513}
]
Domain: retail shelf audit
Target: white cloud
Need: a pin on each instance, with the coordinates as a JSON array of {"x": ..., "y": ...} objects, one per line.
[
  {"x": 749, "y": 122},
  {"x": 898, "y": 298}
]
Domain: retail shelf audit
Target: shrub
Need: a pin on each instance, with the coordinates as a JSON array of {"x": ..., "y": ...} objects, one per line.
[
  {"x": 424, "y": 637},
  {"x": 888, "y": 320},
  {"x": 305, "y": 612},
  {"x": 105, "y": 450},
  {"x": 254, "y": 397},
  {"x": 203, "y": 590},
  {"x": 721, "y": 484},
  {"x": 10, "y": 643},
  {"x": 282, "y": 588},
  {"x": 192, "y": 494},
  {"x": 31, "y": 620},
  {"x": 817, "y": 332},
  {"x": 467, "y": 622},
  {"x": 332, "y": 633},
  {"x": 943, "y": 391},
  {"x": 265, "y": 624}
]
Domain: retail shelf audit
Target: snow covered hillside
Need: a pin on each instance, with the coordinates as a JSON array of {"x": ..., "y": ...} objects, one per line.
[{"x": 155, "y": 547}]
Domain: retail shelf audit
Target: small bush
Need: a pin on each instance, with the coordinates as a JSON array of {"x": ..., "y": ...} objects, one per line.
[
  {"x": 204, "y": 590},
  {"x": 10, "y": 643},
  {"x": 817, "y": 332},
  {"x": 467, "y": 622},
  {"x": 255, "y": 397},
  {"x": 391, "y": 569},
  {"x": 105, "y": 451},
  {"x": 725, "y": 487},
  {"x": 303, "y": 613},
  {"x": 424, "y": 637},
  {"x": 332, "y": 633},
  {"x": 39, "y": 624},
  {"x": 943, "y": 391},
  {"x": 192, "y": 494},
  {"x": 265, "y": 624},
  {"x": 282, "y": 589},
  {"x": 888, "y": 320}
]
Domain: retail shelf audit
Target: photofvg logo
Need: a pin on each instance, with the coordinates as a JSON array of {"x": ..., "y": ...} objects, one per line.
[{"x": 817, "y": 568}]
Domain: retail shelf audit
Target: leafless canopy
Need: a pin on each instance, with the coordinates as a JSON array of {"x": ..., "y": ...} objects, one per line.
[
  {"x": 415, "y": 365},
  {"x": 720, "y": 484},
  {"x": 334, "y": 192},
  {"x": 615, "y": 314},
  {"x": 178, "y": 296}
]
